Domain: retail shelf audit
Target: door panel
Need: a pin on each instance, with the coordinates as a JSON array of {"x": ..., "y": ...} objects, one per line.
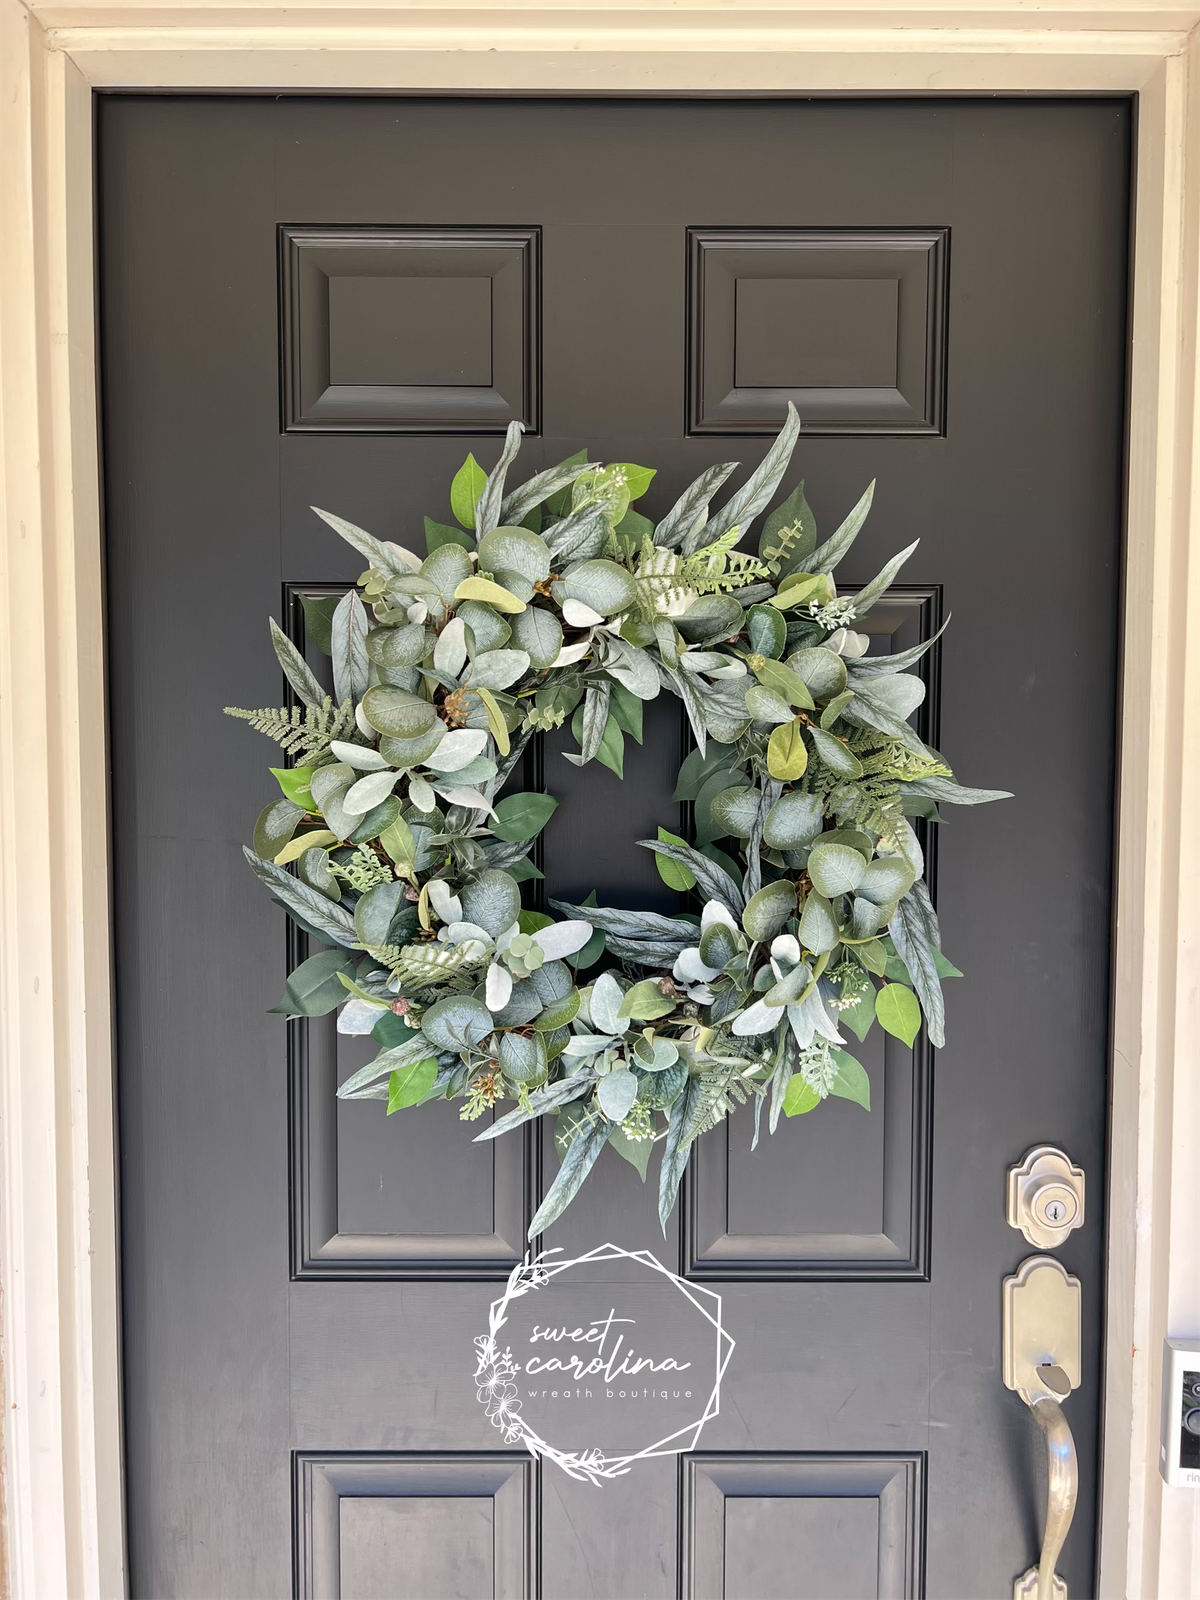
[{"x": 321, "y": 302}]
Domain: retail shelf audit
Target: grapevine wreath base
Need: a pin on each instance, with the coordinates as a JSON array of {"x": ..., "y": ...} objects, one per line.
[{"x": 393, "y": 845}]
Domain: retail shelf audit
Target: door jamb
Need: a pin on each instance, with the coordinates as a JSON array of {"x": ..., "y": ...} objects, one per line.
[{"x": 58, "y": 1216}]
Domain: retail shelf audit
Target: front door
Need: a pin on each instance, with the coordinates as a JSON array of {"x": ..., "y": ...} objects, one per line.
[{"x": 319, "y": 302}]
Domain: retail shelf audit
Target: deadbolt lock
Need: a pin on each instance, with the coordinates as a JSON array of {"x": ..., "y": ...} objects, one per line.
[{"x": 1045, "y": 1196}]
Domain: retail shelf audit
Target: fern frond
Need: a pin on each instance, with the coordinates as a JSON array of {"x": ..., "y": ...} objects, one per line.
[{"x": 303, "y": 731}]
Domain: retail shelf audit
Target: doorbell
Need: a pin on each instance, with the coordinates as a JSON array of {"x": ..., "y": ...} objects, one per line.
[{"x": 1179, "y": 1450}]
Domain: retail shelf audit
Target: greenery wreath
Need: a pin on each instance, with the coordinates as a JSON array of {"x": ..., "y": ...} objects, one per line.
[{"x": 394, "y": 845}]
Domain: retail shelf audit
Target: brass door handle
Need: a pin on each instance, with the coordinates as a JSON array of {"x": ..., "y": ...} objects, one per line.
[{"x": 1041, "y": 1351}]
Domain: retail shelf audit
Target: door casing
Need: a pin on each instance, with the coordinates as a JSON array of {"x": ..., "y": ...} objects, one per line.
[{"x": 60, "y": 1249}]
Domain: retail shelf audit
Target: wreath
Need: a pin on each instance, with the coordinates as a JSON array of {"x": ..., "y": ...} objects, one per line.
[{"x": 394, "y": 844}]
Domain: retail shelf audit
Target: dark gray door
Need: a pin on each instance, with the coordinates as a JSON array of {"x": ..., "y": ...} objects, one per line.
[{"x": 323, "y": 302}]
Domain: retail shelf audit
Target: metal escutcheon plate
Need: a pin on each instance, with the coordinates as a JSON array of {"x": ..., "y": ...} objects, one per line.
[{"x": 1026, "y": 1586}]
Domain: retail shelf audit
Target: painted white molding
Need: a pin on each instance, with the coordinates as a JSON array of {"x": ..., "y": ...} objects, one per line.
[
  {"x": 58, "y": 1237},
  {"x": 62, "y": 1421}
]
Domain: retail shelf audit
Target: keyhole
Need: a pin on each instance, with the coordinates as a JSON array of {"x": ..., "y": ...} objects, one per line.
[{"x": 1055, "y": 1211}]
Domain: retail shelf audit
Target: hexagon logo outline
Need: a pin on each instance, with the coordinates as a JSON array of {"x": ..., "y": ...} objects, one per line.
[{"x": 495, "y": 1372}]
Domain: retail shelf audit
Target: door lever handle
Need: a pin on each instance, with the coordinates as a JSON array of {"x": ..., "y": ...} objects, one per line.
[
  {"x": 1042, "y": 1582},
  {"x": 1041, "y": 1352}
]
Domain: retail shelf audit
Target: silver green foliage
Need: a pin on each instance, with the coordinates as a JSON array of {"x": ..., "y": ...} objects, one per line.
[{"x": 395, "y": 844}]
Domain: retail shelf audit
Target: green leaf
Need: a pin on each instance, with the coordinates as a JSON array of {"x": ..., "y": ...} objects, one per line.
[
  {"x": 898, "y": 1011},
  {"x": 851, "y": 1082},
  {"x": 797, "y": 589},
  {"x": 318, "y": 619},
  {"x": 945, "y": 968},
  {"x": 637, "y": 479},
  {"x": 531, "y": 921},
  {"x": 440, "y": 533},
  {"x": 786, "y": 683},
  {"x": 314, "y": 988},
  {"x": 627, "y": 709},
  {"x": 860, "y": 1017},
  {"x": 635, "y": 1151},
  {"x": 699, "y": 766},
  {"x": 767, "y": 911},
  {"x": 793, "y": 512},
  {"x": 799, "y": 1098},
  {"x": 315, "y": 839},
  {"x": 874, "y": 956},
  {"x": 491, "y": 594},
  {"x": 610, "y": 752},
  {"x": 397, "y": 839},
  {"x": 645, "y": 1002},
  {"x": 465, "y": 489},
  {"x": 408, "y": 1086},
  {"x": 296, "y": 783},
  {"x": 787, "y": 754},
  {"x": 673, "y": 873},
  {"x": 390, "y": 1030},
  {"x": 886, "y": 880},
  {"x": 522, "y": 816}
]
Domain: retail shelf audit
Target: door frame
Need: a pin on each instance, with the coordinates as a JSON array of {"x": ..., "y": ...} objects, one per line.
[{"x": 59, "y": 1248}]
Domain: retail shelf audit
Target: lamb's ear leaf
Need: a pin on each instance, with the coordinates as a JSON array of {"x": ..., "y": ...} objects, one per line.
[
  {"x": 348, "y": 636},
  {"x": 686, "y": 1120},
  {"x": 827, "y": 556},
  {"x": 713, "y": 882},
  {"x": 685, "y": 516},
  {"x": 295, "y": 669},
  {"x": 867, "y": 596},
  {"x": 579, "y": 1161},
  {"x": 543, "y": 487},
  {"x": 377, "y": 554},
  {"x": 755, "y": 493},
  {"x": 309, "y": 907},
  {"x": 487, "y": 512}
]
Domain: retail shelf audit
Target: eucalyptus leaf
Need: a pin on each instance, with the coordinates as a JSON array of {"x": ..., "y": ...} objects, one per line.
[
  {"x": 835, "y": 869},
  {"x": 768, "y": 911}
]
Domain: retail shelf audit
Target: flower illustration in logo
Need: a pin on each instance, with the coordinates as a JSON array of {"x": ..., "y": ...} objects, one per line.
[{"x": 494, "y": 1386}]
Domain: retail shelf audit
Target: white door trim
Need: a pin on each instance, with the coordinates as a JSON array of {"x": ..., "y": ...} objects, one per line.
[{"x": 58, "y": 1227}]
